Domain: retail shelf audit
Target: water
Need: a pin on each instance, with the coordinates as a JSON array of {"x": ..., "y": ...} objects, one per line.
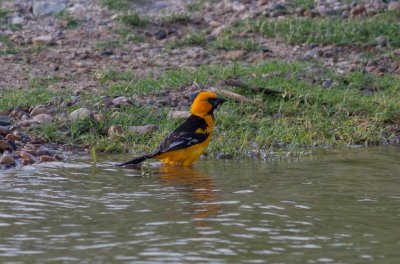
[{"x": 332, "y": 207}]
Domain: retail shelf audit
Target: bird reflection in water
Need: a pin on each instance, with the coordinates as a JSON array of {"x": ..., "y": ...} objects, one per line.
[{"x": 200, "y": 187}]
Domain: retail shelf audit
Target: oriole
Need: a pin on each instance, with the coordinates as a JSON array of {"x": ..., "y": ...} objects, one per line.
[{"x": 187, "y": 142}]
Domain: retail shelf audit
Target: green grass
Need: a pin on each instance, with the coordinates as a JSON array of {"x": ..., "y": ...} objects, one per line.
[
  {"x": 115, "y": 4},
  {"x": 196, "y": 6},
  {"x": 175, "y": 18},
  {"x": 306, "y": 115},
  {"x": 9, "y": 47},
  {"x": 328, "y": 30},
  {"x": 229, "y": 43},
  {"x": 108, "y": 44},
  {"x": 132, "y": 19},
  {"x": 68, "y": 22}
]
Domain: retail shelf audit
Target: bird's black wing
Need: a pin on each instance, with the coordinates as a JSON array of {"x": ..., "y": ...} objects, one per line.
[{"x": 185, "y": 135}]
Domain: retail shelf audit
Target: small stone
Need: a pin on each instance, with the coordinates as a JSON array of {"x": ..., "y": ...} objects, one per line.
[
  {"x": 47, "y": 158},
  {"x": 4, "y": 131},
  {"x": 381, "y": 40},
  {"x": 17, "y": 21},
  {"x": 13, "y": 137},
  {"x": 367, "y": 92},
  {"x": 262, "y": 2},
  {"x": 4, "y": 146},
  {"x": 43, "y": 118},
  {"x": 3, "y": 113},
  {"x": 43, "y": 40},
  {"x": 5, "y": 121},
  {"x": 39, "y": 110},
  {"x": 81, "y": 113},
  {"x": 115, "y": 131},
  {"x": 214, "y": 23},
  {"x": 122, "y": 100},
  {"x": 7, "y": 159},
  {"x": 179, "y": 114},
  {"x": 308, "y": 13},
  {"x": 327, "y": 84},
  {"x": 143, "y": 129},
  {"x": 59, "y": 157},
  {"x": 357, "y": 10},
  {"x": 99, "y": 118},
  {"x": 42, "y": 150},
  {"x": 310, "y": 54},
  {"x": 394, "y": 6},
  {"x": 160, "y": 35},
  {"x": 26, "y": 157},
  {"x": 48, "y": 7},
  {"x": 234, "y": 54},
  {"x": 217, "y": 31}
]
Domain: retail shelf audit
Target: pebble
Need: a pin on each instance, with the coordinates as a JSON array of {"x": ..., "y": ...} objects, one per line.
[
  {"x": 7, "y": 159},
  {"x": 5, "y": 121},
  {"x": 13, "y": 137},
  {"x": 122, "y": 100},
  {"x": 179, "y": 114},
  {"x": 43, "y": 118},
  {"x": 48, "y": 7},
  {"x": 43, "y": 40},
  {"x": 17, "y": 21},
  {"x": 47, "y": 158},
  {"x": 160, "y": 35},
  {"x": 39, "y": 110},
  {"x": 143, "y": 129},
  {"x": 4, "y": 131},
  {"x": 81, "y": 113},
  {"x": 26, "y": 157},
  {"x": 327, "y": 84},
  {"x": 394, "y": 6},
  {"x": 4, "y": 146},
  {"x": 357, "y": 10},
  {"x": 115, "y": 131}
]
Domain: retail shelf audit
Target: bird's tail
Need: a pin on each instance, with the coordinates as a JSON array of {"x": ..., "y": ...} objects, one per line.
[{"x": 137, "y": 160}]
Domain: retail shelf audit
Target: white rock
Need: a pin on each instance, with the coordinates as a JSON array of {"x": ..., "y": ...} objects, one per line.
[
  {"x": 143, "y": 129},
  {"x": 43, "y": 118},
  {"x": 81, "y": 113},
  {"x": 48, "y": 7},
  {"x": 43, "y": 40},
  {"x": 17, "y": 20}
]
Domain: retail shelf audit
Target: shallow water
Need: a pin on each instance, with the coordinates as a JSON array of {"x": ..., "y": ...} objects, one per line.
[{"x": 337, "y": 207}]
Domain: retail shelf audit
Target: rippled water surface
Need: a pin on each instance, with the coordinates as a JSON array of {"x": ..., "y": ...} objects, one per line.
[{"x": 339, "y": 207}]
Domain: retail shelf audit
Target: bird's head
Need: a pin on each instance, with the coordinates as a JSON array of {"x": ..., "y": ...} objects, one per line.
[{"x": 205, "y": 102}]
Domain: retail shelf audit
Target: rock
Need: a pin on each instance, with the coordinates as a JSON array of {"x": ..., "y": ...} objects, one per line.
[
  {"x": 99, "y": 118},
  {"x": 357, "y": 10},
  {"x": 4, "y": 146},
  {"x": 43, "y": 118},
  {"x": 39, "y": 110},
  {"x": 48, "y": 7},
  {"x": 122, "y": 100},
  {"x": 13, "y": 137},
  {"x": 81, "y": 113},
  {"x": 43, "y": 40},
  {"x": 308, "y": 13},
  {"x": 115, "y": 131},
  {"x": 179, "y": 114},
  {"x": 381, "y": 40},
  {"x": 4, "y": 131},
  {"x": 394, "y": 6},
  {"x": 5, "y": 121},
  {"x": 327, "y": 84},
  {"x": 234, "y": 54},
  {"x": 160, "y": 35},
  {"x": 262, "y": 2},
  {"x": 143, "y": 129},
  {"x": 26, "y": 123},
  {"x": 3, "y": 113},
  {"x": 46, "y": 158},
  {"x": 7, "y": 159},
  {"x": 214, "y": 23},
  {"x": 217, "y": 31},
  {"x": 17, "y": 21},
  {"x": 59, "y": 157},
  {"x": 26, "y": 157},
  {"x": 310, "y": 54},
  {"x": 42, "y": 150}
]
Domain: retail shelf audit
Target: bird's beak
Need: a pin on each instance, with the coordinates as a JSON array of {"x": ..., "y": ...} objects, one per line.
[{"x": 215, "y": 102}]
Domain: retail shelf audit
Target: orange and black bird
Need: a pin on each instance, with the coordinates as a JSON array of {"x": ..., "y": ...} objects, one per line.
[{"x": 187, "y": 142}]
